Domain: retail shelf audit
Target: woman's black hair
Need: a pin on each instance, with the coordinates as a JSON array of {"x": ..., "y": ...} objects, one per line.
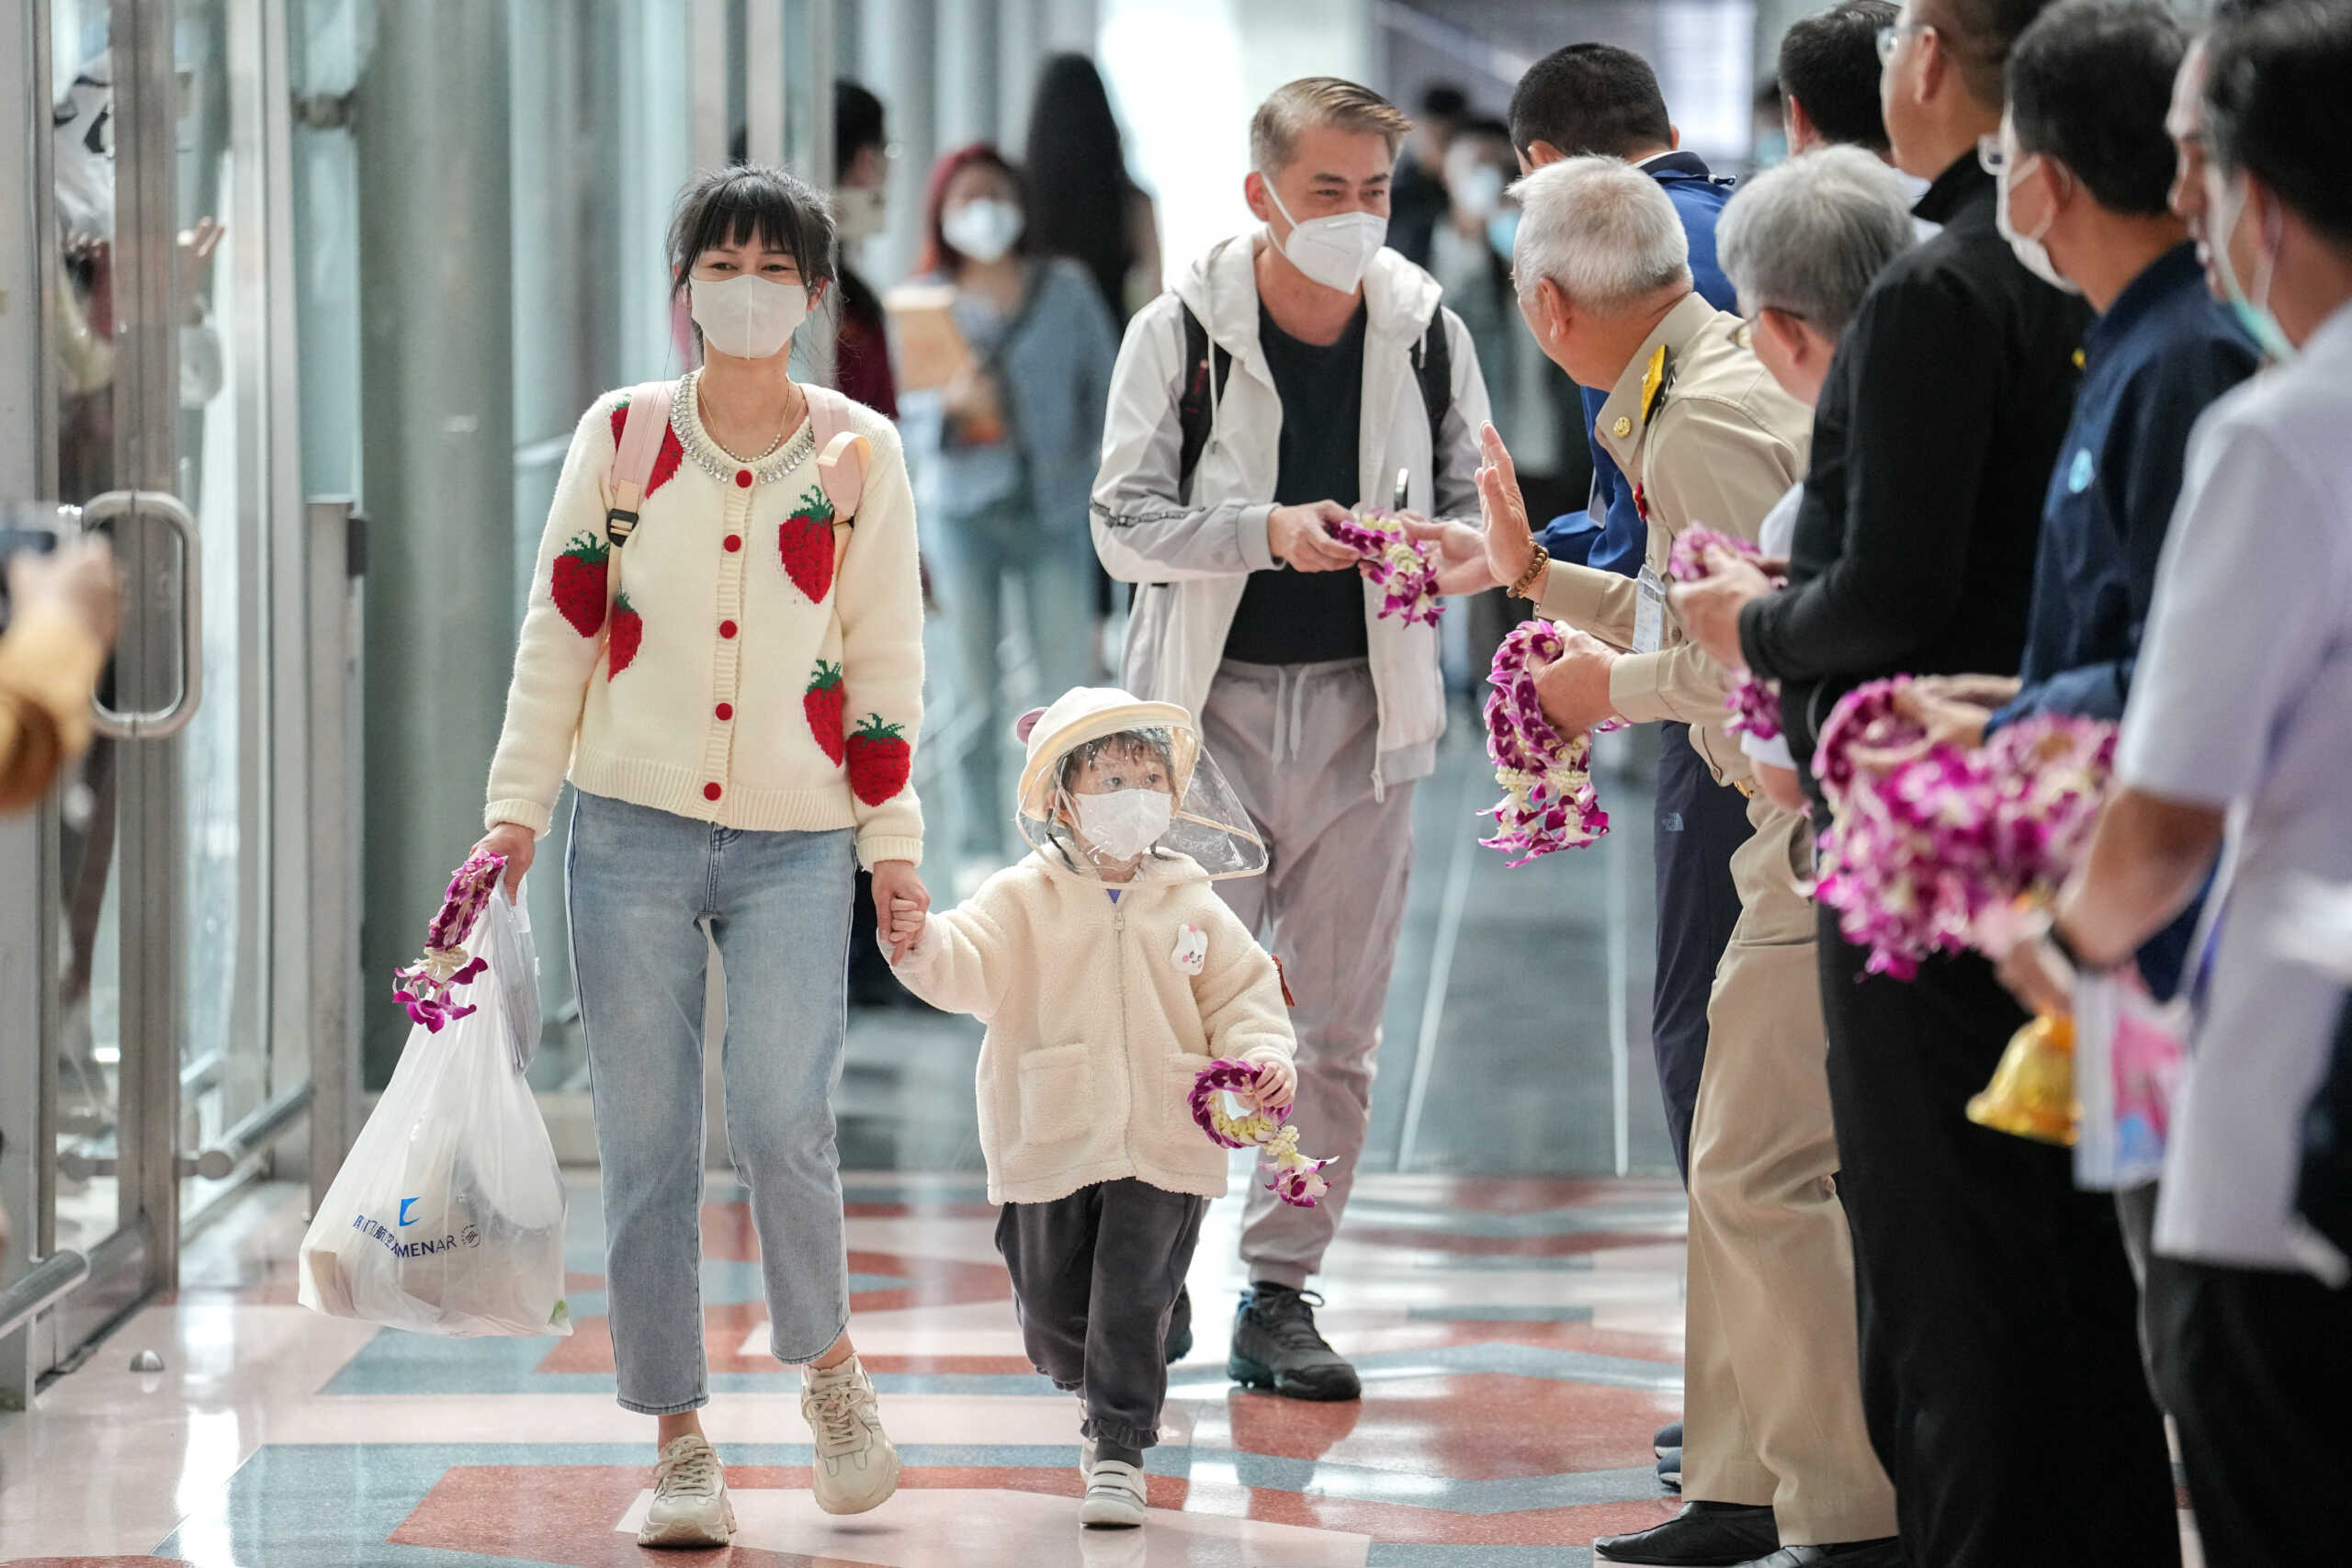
[
  {"x": 858, "y": 125},
  {"x": 747, "y": 201},
  {"x": 1077, "y": 171}
]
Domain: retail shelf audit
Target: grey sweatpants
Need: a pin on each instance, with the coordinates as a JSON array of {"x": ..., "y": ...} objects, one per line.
[
  {"x": 1095, "y": 1276},
  {"x": 1299, "y": 742}
]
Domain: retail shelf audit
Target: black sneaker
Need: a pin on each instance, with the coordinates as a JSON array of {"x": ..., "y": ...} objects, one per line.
[
  {"x": 1275, "y": 1346},
  {"x": 1670, "y": 1470}
]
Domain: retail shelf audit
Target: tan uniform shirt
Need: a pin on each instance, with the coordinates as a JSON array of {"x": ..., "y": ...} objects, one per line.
[
  {"x": 47, "y": 665},
  {"x": 1710, "y": 438}
]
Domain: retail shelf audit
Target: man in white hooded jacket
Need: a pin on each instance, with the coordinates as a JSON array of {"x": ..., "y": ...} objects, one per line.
[{"x": 1293, "y": 375}]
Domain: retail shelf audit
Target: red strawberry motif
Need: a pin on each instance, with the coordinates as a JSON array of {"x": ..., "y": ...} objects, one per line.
[
  {"x": 665, "y": 461},
  {"x": 629, "y": 630},
  {"x": 879, "y": 760},
  {"x": 806, "y": 541},
  {"x": 822, "y": 703},
  {"x": 578, "y": 583}
]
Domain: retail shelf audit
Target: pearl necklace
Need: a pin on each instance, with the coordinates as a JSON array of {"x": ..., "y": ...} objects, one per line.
[{"x": 777, "y": 462}]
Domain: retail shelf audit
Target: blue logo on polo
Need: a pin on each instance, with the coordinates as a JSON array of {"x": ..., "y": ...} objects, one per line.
[
  {"x": 404, "y": 1205},
  {"x": 2078, "y": 477}
]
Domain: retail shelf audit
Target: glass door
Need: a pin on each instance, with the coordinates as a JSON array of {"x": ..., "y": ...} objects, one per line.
[{"x": 170, "y": 1050}]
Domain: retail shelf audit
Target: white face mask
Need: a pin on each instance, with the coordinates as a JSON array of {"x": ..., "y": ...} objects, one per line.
[
  {"x": 1332, "y": 250},
  {"x": 859, "y": 212},
  {"x": 1125, "y": 823},
  {"x": 748, "y": 317},
  {"x": 1480, "y": 191},
  {"x": 2032, "y": 253},
  {"x": 2253, "y": 311},
  {"x": 984, "y": 231}
]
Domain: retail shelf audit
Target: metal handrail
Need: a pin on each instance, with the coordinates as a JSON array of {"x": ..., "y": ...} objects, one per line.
[
  {"x": 248, "y": 1136},
  {"x": 48, "y": 1279},
  {"x": 256, "y": 1131}
]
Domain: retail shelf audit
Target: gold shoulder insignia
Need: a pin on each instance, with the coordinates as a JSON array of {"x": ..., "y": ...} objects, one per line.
[{"x": 1656, "y": 381}]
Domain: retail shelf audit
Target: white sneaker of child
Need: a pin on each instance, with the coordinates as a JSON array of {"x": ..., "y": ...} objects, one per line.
[
  {"x": 690, "y": 1505},
  {"x": 855, "y": 1468},
  {"x": 1113, "y": 1497}
]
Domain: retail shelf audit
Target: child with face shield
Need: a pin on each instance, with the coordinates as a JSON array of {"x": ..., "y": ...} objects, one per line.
[{"x": 1109, "y": 973}]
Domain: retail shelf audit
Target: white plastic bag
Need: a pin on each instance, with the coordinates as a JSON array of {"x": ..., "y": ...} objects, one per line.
[
  {"x": 447, "y": 1215},
  {"x": 506, "y": 941}
]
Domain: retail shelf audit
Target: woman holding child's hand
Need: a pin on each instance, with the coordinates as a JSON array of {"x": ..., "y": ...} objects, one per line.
[{"x": 735, "y": 698}]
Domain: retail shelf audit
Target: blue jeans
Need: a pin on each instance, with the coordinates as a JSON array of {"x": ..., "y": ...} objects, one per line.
[
  {"x": 978, "y": 553},
  {"x": 642, "y": 885}
]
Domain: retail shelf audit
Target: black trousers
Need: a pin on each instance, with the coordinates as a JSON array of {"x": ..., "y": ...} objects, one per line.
[
  {"x": 1700, "y": 824},
  {"x": 1094, "y": 1276},
  {"x": 2001, "y": 1373},
  {"x": 2256, "y": 1370}
]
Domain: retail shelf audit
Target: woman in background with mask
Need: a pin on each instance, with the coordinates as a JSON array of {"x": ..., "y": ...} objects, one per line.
[
  {"x": 733, "y": 687},
  {"x": 1005, "y": 453},
  {"x": 1470, "y": 253}
]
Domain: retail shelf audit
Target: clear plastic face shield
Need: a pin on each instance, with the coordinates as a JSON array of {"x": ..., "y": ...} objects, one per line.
[{"x": 1114, "y": 796}]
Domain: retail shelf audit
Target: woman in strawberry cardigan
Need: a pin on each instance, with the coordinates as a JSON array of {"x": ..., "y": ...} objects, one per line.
[{"x": 733, "y": 690}]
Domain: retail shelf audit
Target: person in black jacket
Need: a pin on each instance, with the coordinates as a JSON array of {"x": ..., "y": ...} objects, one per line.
[
  {"x": 1417, "y": 198},
  {"x": 1997, "y": 1308}
]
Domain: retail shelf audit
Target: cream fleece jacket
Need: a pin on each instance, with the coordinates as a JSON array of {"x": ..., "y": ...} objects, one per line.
[
  {"x": 722, "y": 666},
  {"x": 1096, "y": 1024}
]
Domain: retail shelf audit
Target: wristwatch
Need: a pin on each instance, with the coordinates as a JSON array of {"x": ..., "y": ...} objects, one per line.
[{"x": 2056, "y": 937}]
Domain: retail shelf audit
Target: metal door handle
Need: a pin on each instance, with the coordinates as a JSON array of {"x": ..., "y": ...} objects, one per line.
[{"x": 160, "y": 723}]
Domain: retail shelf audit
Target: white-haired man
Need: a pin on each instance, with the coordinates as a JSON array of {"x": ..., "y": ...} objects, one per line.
[
  {"x": 1776, "y": 1463},
  {"x": 1287, "y": 378}
]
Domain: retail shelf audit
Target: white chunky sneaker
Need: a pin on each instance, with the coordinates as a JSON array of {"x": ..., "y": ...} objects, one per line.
[
  {"x": 1113, "y": 1497},
  {"x": 690, "y": 1505},
  {"x": 855, "y": 1467}
]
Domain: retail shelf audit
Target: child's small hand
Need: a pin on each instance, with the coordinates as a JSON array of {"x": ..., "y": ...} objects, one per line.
[
  {"x": 906, "y": 920},
  {"x": 1277, "y": 1082}
]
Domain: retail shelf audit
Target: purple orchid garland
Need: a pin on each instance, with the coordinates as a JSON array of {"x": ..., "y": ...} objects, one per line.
[
  {"x": 1935, "y": 852},
  {"x": 1297, "y": 1180},
  {"x": 429, "y": 983},
  {"x": 1550, "y": 803},
  {"x": 1393, "y": 561},
  {"x": 1755, "y": 705}
]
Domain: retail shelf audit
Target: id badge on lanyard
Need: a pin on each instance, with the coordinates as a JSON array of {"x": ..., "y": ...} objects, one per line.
[{"x": 1649, "y": 612}]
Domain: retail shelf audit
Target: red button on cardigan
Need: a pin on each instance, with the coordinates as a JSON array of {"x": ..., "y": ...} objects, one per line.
[
  {"x": 734, "y": 543},
  {"x": 711, "y": 792},
  {"x": 726, "y": 628},
  {"x": 725, "y": 711},
  {"x": 742, "y": 478}
]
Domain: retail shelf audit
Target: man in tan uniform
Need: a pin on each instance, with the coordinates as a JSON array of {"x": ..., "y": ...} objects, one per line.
[{"x": 1775, "y": 1453}]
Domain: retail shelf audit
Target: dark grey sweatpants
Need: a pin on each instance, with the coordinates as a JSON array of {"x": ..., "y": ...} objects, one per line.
[{"x": 1095, "y": 1276}]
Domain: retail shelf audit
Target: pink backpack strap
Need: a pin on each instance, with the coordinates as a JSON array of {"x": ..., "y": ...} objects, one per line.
[
  {"x": 843, "y": 454},
  {"x": 648, "y": 417}
]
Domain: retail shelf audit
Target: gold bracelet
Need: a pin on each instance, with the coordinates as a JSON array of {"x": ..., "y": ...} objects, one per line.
[{"x": 1523, "y": 588}]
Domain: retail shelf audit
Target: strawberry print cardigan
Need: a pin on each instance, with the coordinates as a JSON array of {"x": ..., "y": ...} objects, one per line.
[{"x": 720, "y": 666}]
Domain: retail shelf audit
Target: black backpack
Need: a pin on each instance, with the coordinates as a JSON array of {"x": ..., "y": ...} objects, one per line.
[{"x": 1433, "y": 367}]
